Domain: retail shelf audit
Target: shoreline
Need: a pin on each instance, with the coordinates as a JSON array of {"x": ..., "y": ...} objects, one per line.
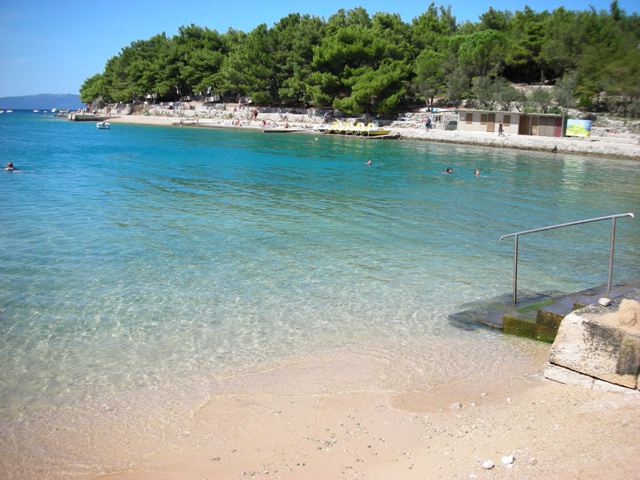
[
  {"x": 228, "y": 337},
  {"x": 331, "y": 415},
  {"x": 619, "y": 148},
  {"x": 360, "y": 411}
]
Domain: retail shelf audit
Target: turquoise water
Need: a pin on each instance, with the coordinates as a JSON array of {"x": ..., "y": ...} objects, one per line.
[{"x": 142, "y": 254}]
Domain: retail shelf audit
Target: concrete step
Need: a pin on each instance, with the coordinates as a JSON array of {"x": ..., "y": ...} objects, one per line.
[{"x": 537, "y": 316}]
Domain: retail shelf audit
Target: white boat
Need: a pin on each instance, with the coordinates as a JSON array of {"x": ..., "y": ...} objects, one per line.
[
  {"x": 359, "y": 129},
  {"x": 103, "y": 125},
  {"x": 54, "y": 110},
  {"x": 36, "y": 111},
  {"x": 9, "y": 111}
]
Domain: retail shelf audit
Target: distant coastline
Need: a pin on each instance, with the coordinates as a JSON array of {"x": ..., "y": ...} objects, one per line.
[{"x": 44, "y": 101}]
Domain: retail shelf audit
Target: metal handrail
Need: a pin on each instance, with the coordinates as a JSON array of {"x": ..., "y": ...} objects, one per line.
[{"x": 562, "y": 225}]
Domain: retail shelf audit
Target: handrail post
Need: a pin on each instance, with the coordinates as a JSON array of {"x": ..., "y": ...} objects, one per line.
[
  {"x": 515, "y": 270},
  {"x": 611, "y": 250}
]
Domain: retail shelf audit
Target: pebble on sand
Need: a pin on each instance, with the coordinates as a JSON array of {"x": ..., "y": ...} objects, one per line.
[
  {"x": 508, "y": 459},
  {"x": 488, "y": 465}
]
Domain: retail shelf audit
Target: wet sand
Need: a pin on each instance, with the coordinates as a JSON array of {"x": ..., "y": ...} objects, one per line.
[
  {"x": 333, "y": 417},
  {"x": 364, "y": 412}
]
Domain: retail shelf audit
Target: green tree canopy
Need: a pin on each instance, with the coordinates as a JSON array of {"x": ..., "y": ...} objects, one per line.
[{"x": 378, "y": 64}]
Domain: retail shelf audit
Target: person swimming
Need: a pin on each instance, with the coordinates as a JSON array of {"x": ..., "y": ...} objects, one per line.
[
  {"x": 369, "y": 163},
  {"x": 448, "y": 170},
  {"x": 10, "y": 167},
  {"x": 476, "y": 172}
]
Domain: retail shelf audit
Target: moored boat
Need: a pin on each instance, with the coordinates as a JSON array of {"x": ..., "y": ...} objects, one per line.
[
  {"x": 103, "y": 125},
  {"x": 281, "y": 130},
  {"x": 359, "y": 129}
]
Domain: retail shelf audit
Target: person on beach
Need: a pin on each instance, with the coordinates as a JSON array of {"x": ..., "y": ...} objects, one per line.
[
  {"x": 500, "y": 130},
  {"x": 10, "y": 167},
  {"x": 428, "y": 125}
]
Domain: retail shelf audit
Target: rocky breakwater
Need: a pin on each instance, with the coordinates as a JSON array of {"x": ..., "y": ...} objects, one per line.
[{"x": 599, "y": 346}]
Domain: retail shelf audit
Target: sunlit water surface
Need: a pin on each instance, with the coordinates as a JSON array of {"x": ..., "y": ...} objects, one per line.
[{"x": 144, "y": 256}]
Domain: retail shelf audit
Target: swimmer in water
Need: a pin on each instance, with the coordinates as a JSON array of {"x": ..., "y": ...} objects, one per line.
[
  {"x": 10, "y": 167},
  {"x": 476, "y": 172},
  {"x": 448, "y": 170},
  {"x": 369, "y": 163}
]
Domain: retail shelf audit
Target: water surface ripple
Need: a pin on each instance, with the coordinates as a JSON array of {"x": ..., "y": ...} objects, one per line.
[{"x": 142, "y": 255}]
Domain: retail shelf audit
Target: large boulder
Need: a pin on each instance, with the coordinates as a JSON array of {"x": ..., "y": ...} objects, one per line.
[{"x": 600, "y": 342}]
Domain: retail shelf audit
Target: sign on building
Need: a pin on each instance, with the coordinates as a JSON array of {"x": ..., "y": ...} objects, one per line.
[{"x": 578, "y": 128}]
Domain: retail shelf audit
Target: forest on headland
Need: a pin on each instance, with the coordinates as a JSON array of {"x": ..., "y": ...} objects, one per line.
[{"x": 378, "y": 64}]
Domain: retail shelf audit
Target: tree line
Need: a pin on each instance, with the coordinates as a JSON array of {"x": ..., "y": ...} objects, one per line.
[{"x": 358, "y": 63}]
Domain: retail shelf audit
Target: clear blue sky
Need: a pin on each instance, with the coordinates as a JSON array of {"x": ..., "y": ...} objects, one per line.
[{"x": 53, "y": 46}]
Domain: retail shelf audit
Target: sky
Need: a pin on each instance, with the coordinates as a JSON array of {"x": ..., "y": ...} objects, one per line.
[{"x": 54, "y": 46}]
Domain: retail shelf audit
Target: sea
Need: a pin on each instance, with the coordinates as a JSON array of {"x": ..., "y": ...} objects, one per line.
[{"x": 146, "y": 258}]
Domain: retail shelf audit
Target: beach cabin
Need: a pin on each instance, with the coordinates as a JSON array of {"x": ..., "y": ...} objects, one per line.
[{"x": 513, "y": 123}]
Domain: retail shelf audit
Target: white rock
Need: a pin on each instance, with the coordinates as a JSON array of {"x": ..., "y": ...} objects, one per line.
[
  {"x": 533, "y": 461},
  {"x": 508, "y": 459},
  {"x": 604, "y": 301},
  {"x": 600, "y": 343},
  {"x": 455, "y": 405},
  {"x": 487, "y": 465}
]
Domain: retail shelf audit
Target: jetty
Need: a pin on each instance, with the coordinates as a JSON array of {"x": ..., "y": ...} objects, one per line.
[{"x": 86, "y": 117}]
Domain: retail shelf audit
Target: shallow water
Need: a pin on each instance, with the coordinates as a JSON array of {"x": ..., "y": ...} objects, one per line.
[{"x": 144, "y": 256}]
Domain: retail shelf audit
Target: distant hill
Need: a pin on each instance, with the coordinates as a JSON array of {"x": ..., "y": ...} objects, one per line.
[{"x": 45, "y": 101}]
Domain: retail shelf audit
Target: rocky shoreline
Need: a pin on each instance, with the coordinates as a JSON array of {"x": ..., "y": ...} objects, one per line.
[{"x": 604, "y": 142}]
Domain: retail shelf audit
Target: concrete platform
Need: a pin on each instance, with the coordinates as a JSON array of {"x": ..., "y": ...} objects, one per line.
[{"x": 537, "y": 315}]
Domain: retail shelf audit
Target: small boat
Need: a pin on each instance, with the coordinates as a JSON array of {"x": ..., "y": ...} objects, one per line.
[
  {"x": 36, "y": 111},
  {"x": 103, "y": 125},
  {"x": 9, "y": 111},
  {"x": 359, "y": 129},
  {"x": 281, "y": 130}
]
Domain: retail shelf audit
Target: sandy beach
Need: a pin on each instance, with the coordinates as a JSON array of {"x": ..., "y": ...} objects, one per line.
[
  {"x": 601, "y": 143},
  {"x": 339, "y": 416}
]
